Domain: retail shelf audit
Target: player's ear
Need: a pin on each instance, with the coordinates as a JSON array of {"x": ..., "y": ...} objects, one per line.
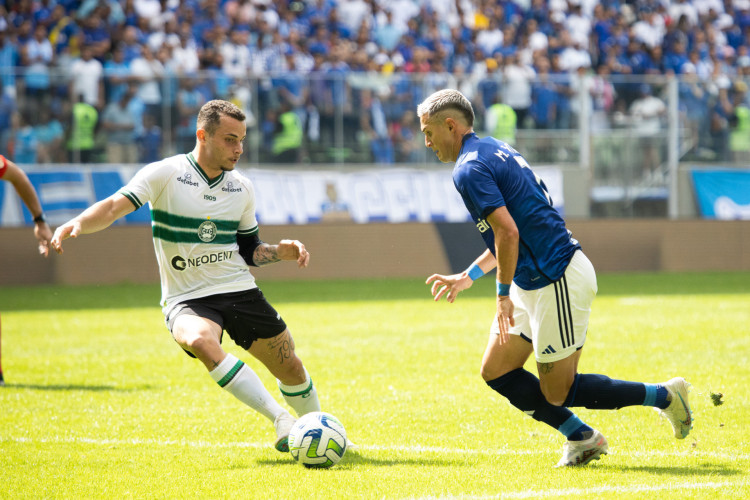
[{"x": 200, "y": 134}]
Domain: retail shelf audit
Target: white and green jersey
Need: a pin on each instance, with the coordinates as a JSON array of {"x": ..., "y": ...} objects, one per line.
[{"x": 194, "y": 222}]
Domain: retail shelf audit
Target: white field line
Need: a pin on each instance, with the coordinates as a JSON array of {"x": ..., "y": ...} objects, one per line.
[
  {"x": 600, "y": 490},
  {"x": 405, "y": 449}
]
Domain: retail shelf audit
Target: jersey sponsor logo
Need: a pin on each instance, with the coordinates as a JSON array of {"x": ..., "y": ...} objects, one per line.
[
  {"x": 180, "y": 263},
  {"x": 229, "y": 188},
  {"x": 187, "y": 179},
  {"x": 482, "y": 225},
  {"x": 207, "y": 231}
]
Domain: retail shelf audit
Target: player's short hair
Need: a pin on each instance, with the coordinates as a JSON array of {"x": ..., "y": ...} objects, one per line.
[
  {"x": 210, "y": 114},
  {"x": 446, "y": 100}
]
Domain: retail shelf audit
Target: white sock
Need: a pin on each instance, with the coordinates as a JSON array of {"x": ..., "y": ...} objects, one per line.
[
  {"x": 303, "y": 397},
  {"x": 243, "y": 383}
]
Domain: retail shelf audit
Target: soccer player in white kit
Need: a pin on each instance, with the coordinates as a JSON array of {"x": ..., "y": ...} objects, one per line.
[{"x": 205, "y": 235}]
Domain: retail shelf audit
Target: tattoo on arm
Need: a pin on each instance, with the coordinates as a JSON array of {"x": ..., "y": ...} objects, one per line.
[
  {"x": 546, "y": 367},
  {"x": 265, "y": 254}
]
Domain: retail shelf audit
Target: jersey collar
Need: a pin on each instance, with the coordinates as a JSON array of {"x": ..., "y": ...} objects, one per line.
[{"x": 210, "y": 182}]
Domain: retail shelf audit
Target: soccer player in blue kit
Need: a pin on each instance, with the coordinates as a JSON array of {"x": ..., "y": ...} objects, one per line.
[{"x": 545, "y": 287}]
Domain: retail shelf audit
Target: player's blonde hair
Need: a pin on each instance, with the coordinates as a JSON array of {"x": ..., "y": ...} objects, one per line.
[
  {"x": 210, "y": 114},
  {"x": 446, "y": 100}
]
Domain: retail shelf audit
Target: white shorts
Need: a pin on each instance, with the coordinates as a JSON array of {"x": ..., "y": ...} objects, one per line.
[{"x": 555, "y": 318}]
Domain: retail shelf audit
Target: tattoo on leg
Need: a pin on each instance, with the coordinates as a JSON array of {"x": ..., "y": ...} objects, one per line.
[
  {"x": 284, "y": 347},
  {"x": 546, "y": 367}
]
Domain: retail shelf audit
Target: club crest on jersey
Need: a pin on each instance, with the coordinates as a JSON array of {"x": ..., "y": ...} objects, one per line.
[
  {"x": 207, "y": 231},
  {"x": 229, "y": 188}
]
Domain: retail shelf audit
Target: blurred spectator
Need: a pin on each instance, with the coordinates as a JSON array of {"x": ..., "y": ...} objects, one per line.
[
  {"x": 189, "y": 102},
  {"x": 287, "y": 136},
  {"x": 82, "y": 128},
  {"x": 722, "y": 115},
  {"x": 516, "y": 88},
  {"x": 693, "y": 105},
  {"x": 386, "y": 33},
  {"x": 544, "y": 95},
  {"x": 602, "y": 94},
  {"x": 646, "y": 114},
  {"x": 119, "y": 123},
  {"x": 148, "y": 72},
  {"x": 739, "y": 138},
  {"x": 87, "y": 81},
  {"x": 116, "y": 75},
  {"x": 149, "y": 142},
  {"x": 37, "y": 56},
  {"x": 501, "y": 122},
  {"x": 50, "y": 136},
  {"x": 8, "y": 61},
  {"x": 23, "y": 142},
  {"x": 8, "y": 108},
  {"x": 375, "y": 128},
  {"x": 405, "y": 135}
]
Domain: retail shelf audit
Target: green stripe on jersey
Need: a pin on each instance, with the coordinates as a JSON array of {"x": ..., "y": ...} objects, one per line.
[
  {"x": 210, "y": 182},
  {"x": 248, "y": 232},
  {"x": 230, "y": 375},
  {"x": 190, "y": 236},
  {"x": 179, "y": 222},
  {"x": 133, "y": 198}
]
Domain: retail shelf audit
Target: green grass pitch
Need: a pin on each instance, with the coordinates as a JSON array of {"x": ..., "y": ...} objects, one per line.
[{"x": 101, "y": 403}]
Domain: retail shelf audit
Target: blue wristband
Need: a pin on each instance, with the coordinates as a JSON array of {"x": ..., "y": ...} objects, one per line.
[
  {"x": 503, "y": 289},
  {"x": 475, "y": 272}
]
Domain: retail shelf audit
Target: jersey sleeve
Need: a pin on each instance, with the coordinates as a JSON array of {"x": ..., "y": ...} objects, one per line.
[
  {"x": 481, "y": 188},
  {"x": 248, "y": 220},
  {"x": 3, "y": 166},
  {"x": 147, "y": 184}
]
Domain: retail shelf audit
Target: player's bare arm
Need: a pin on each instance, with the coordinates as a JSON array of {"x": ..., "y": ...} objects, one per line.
[
  {"x": 26, "y": 192},
  {"x": 98, "y": 216},
  {"x": 455, "y": 283},
  {"x": 266, "y": 254},
  {"x": 506, "y": 249}
]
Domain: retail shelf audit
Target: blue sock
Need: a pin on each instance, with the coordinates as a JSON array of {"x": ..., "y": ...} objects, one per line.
[
  {"x": 573, "y": 428},
  {"x": 599, "y": 392},
  {"x": 656, "y": 395},
  {"x": 522, "y": 389}
]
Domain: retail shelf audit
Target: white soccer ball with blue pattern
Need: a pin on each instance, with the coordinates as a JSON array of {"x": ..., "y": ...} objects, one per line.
[{"x": 317, "y": 440}]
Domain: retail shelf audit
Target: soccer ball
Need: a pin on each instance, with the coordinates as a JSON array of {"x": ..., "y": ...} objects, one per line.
[{"x": 317, "y": 440}]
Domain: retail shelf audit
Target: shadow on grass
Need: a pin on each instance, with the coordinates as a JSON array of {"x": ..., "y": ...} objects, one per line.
[
  {"x": 353, "y": 460},
  {"x": 707, "y": 469},
  {"x": 90, "y": 388}
]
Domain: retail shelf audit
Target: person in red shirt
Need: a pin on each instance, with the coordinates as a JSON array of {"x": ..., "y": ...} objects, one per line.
[{"x": 10, "y": 172}]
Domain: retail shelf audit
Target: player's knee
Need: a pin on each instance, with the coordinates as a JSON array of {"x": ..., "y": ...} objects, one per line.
[
  {"x": 554, "y": 394},
  {"x": 291, "y": 372},
  {"x": 490, "y": 371},
  {"x": 197, "y": 344}
]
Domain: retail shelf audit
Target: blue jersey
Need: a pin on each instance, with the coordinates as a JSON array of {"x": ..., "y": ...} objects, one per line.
[{"x": 490, "y": 174}]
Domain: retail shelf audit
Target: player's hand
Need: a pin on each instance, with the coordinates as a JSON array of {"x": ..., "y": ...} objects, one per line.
[
  {"x": 452, "y": 284},
  {"x": 505, "y": 319},
  {"x": 67, "y": 230},
  {"x": 43, "y": 235},
  {"x": 293, "y": 250}
]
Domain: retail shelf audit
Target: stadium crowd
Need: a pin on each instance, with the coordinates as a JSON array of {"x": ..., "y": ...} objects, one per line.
[{"x": 122, "y": 80}]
